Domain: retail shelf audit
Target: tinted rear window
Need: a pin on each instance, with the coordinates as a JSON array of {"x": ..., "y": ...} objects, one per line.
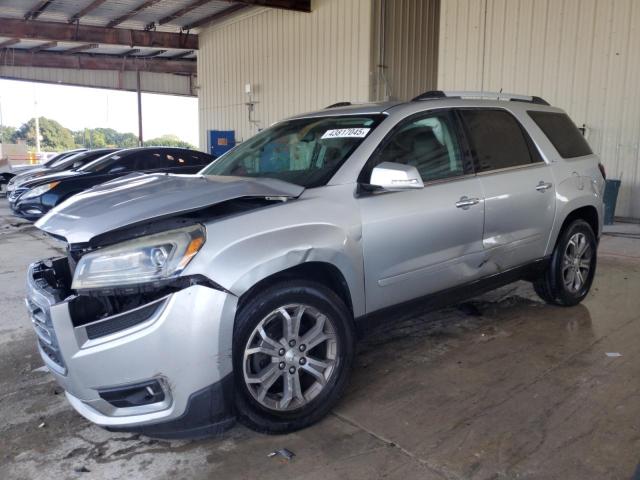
[
  {"x": 562, "y": 133},
  {"x": 497, "y": 140}
]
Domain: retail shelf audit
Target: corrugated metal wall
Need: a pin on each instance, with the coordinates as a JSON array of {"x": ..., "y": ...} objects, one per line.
[
  {"x": 295, "y": 61},
  {"x": 151, "y": 82},
  {"x": 581, "y": 55},
  {"x": 405, "y": 48}
]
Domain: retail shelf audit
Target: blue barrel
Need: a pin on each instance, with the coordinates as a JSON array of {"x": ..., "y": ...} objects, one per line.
[{"x": 611, "y": 189}]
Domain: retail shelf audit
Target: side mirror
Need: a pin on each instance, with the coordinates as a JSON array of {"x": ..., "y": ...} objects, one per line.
[
  {"x": 77, "y": 165},
  {"x": 396, "y": 176},
  {"x": 117, "y": 169}
]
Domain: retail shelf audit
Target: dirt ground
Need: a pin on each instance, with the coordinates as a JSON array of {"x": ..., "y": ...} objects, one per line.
[{"x": 503, "y": 386}]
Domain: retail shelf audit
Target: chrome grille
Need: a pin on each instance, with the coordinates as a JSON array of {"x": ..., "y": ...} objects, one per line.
[{"x": 47, "y": 340}]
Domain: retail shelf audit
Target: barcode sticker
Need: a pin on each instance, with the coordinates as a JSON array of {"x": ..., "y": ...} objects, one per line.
[{"x": 346, "y": 133}]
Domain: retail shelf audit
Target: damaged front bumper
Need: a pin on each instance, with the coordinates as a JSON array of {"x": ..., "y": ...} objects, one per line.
[{"x": 162, "y": 368}]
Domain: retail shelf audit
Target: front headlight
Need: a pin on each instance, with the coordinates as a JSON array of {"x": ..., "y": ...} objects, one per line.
[
  {"x": 146, "y": 259},
  {"x": 36, "y": 192}
]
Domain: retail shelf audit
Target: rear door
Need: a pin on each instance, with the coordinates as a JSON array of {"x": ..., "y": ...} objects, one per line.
[{"x": 517, "y": 185}]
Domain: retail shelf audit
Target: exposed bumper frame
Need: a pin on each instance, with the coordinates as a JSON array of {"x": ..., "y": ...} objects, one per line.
[{"x": 186, "y": 344}]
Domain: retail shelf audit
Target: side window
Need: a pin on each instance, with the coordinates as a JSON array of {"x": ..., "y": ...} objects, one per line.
[
  {"x": 188, "y": 158},
  {"x": 497, "y": 140},
  {"x": 428, "y": 142},
  {"x": 563, "y": 134},
  {"x": 121, "y": 164},
  {"x": 151, "y": 160}
]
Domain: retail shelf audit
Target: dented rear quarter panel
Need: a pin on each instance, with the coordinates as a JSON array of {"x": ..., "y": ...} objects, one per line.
[{"x": 579, "y": 184}]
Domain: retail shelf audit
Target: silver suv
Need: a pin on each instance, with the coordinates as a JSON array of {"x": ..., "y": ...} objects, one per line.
[{"x": 189, "y": 301}]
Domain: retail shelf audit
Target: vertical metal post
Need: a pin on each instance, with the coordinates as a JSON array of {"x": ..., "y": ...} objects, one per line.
[
  {"x": 1, "y": 130},
  {"x": 37, "y": 134},
  {"x": 140, "y": 139}
]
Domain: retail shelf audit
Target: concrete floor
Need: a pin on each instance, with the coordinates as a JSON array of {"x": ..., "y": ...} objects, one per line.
[{"x": 505, "y": 387}]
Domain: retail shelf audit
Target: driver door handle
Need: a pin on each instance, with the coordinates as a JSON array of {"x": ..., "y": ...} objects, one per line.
[
  {"x": 543, "y": 186},
  {"x": 466, "y": 202}
]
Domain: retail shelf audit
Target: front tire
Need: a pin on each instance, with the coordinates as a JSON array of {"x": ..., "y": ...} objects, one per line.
[
  {"x": 569, "y": 276},
  {"x": 293, "y": 348}
]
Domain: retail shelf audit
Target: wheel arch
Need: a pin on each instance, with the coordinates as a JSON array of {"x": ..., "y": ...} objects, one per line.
[
  {"x": 584, "y": 211},
  {"x": 323, "y": 273},
  {"x": 588, "y": 213}
]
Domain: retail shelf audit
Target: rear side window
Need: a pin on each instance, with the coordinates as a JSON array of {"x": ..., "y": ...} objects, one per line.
[
  {"x": 562, "y": 133},
  {"x": 188, "y": 158},
  {"x": 497, "y": 140},
  {"x": 148, "y": 160}
]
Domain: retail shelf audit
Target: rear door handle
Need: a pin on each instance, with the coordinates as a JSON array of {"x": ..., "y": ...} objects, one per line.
[
  {"x": 543, "y": 186},
  {"x": 466, "y": 202}
]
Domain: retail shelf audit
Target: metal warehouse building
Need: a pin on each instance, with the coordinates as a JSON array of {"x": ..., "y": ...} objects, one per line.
[
  {"x": 581, "y": 55},
  {"x": 259, "y": 61}
]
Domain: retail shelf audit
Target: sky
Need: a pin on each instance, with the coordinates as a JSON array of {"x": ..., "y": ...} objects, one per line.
[{"x": 77, "y": 108}]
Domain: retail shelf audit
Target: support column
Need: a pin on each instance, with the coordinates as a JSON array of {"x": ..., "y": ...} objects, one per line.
[{"x": 140, "y": 139}]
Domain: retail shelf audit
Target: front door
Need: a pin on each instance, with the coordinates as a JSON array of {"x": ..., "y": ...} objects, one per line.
[{"x": 417, "y": 242}]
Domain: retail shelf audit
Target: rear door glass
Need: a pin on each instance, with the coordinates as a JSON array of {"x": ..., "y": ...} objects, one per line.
[
  {"x": 562, "y": 133},
  {"x": 497, "y": 140}
]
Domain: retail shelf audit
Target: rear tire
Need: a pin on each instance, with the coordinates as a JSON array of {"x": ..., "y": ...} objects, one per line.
[
  {"x": 293, "y": 348},
  {"x": 568, "y": 278}
]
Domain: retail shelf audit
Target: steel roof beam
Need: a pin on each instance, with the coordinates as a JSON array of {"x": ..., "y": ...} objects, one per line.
[
  {"x": 62, "y": 32},
  {"x": 131, "y": 13},
  {"x": 42, "y": 46},
  {"x": 81, "y": 48},
  {"x": 8, "y": 43},
  {"x": 152, "y": 54},
  {"x": 296, "y": 5},
  {"x": 216, "y": 16},
  {"x": 84, "y": 61},
  {"x": 182, "y": 12},
  {"x": 181, "y": 54},
  {"x": 89, "y": 8},
  {"x": 37, "y": 10}
]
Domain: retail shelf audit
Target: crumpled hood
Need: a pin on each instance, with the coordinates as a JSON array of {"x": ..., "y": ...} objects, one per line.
[{"x": 138, "y": 197}]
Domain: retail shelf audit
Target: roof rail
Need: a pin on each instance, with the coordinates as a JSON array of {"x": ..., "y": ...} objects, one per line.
[
  {"x": 439, "y": 94},
  {"x": 339, "y": 104}
]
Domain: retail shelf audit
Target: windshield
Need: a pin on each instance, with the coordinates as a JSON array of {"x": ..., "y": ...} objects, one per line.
[
  {"x": 306, "y": 151},
  {"x": 82, "y": 158},
  {"x": 56, "y": 158},
  {"x": 64, "y": 161}
]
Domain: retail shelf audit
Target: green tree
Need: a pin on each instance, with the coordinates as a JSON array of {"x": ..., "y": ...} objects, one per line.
[
  {"x": 167, "y": 141},
  {"x": 6, "y": 133},
  {"x": 54, "y": 137},
  {"x": 104, "y": 137}
]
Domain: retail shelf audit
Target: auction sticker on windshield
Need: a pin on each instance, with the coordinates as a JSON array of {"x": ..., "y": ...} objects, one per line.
[{"x": 346, "y": 133}]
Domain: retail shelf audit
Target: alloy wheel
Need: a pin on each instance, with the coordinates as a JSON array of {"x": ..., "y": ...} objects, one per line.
[
  {"x": 290, "y": 357},
  {"x": 576, "y": 262}
]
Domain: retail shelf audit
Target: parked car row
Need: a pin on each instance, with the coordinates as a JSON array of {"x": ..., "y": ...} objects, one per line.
[
  {"x": 189, "y": 301},
  {"x": 8, "y": 171},
  {"x": 35, "y": 192}
]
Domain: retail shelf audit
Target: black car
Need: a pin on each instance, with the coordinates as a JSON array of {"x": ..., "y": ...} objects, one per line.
[
  {"x": 71, "y": 162},
  {"x": 36, "y": 197}
]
